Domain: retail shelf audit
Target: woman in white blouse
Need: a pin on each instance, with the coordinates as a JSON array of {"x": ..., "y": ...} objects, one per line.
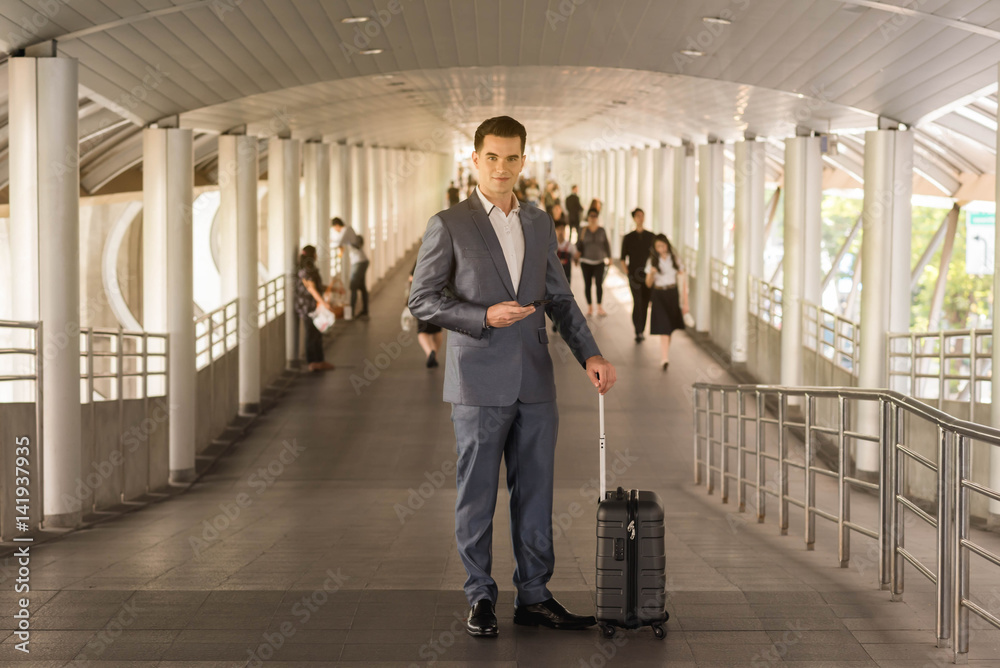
[{"x": 669, "y": 299}]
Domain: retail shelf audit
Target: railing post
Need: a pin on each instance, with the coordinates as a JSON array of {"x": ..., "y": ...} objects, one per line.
[
  {"x": 710, "y": 424},
  {"x": 145, "y": 403},
  {"x": 761, "y": 427},
  {"x": 944, "y": 528},
  {"x": 697, "y": 450},
  {"x": 740, "y": 454},
  {"x": 782, "y": 466},
  {"x": 896, "y": 485},
  {"x": 960, "y": 557},
  {"x": 90, "y": 400},
  {"x": 941, "y": 363},
  {"x": 844, "y": 514},
  {"x": 810, "y": 488},
  {"x": 724, "y": 463},
  {"x": 120, "y": 382}
]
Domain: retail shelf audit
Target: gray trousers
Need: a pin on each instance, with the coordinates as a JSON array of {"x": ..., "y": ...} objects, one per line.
[{"x": 524, "y": 435}]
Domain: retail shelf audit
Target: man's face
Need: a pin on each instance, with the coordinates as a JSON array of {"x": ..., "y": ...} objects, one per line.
[
  {"x": 499, "y": 162},
  {"x": 640, "y": 218}
]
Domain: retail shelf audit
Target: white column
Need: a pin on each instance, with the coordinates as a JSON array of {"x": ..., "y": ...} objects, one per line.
[
  {"x": 663, "y": 193},
  {"x": 684, "y": 193},
  {"x": 45, "y": 245},
  {"x": 710, "y": 193},
  {"x": 355, "y": 160},
  {"x": 368, "y": 207},
  {"x": 381, "y": 219},
  {"x": 801, "y": 267},
  {"x": 238, "y": 211},
  {"x": 994, "y": 511},
  {"x": 283, "y": 170},
  {"x": 168, "y": 278},
  {"x": 316, "y": 206},
  {"x": 621, "y": 194},
  {"x": 633, "y": 167},
  {"x": 337, "y": 192},
  {"x": 749, "y": 227},
  {"x": 885, "y": 266}
]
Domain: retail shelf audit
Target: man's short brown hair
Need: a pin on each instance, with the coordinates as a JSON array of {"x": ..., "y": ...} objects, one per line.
[{"x": 500, "y": 126}]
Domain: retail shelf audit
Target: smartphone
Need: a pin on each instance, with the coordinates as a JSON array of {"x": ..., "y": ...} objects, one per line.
[{"x": 536, "y": 303}]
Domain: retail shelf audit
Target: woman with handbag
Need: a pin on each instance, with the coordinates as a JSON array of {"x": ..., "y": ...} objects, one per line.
[
  {"x": 428, "y": 335},
  {"x": 669, "y": 296},
  {"x": 308, "y": 301},
  {"x": 593, "y": 254}
]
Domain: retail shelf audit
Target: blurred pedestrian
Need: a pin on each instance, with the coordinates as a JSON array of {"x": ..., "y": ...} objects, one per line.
[
  {"x": 665, "y": 275},
  {"x": 307, "y": 300},
  {"x": 573, "y": 210},
  {"x": 344, "y": 236},
  {"x": 428, "y": 335},
  {"x": 636, "y": 248},
  {"x": 593, "y": 254}
]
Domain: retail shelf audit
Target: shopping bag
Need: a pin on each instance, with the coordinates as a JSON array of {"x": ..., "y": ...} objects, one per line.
[
  {"x": 323, "y": 318},
  {"x": 406, "y": 321}
]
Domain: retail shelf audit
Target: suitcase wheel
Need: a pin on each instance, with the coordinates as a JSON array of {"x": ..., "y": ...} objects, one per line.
[
  {"x": 658, "y": 631},
  {"x": 607, "y": 631}
]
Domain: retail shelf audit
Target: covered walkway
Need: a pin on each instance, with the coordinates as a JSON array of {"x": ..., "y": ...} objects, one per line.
[{"x": 325, "y": 538}]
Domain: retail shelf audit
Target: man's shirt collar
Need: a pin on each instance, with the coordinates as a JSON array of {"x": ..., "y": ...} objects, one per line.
[{"x": 489, "y": 206}]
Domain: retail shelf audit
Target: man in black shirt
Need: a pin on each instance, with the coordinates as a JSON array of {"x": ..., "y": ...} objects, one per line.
[
  {"x": 635, "y": 253},
  {"x": 573, "y": 209},
  {"x": 452, "y": 194}
]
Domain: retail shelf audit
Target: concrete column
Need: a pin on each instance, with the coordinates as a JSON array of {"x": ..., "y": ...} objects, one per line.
[
  {"x": 355, "y": 161},
  {"x": 994, "y": 518},
  {"x": 381, "y": 238},
  {"x": 749, "y": 228},
  {"x": 662, "y": 184},
  {"x": 684, "y": 192},
  {"x": 45, "y": 255},
  {"x": 633, "y": 167},
  {"x": 168, "y": 278},
  {"x": 316, "y": 206},
  {"x": 238, "y": 211},
  {"x": 368, "y": 211},
  {"x": 283, "y": 169},
  {"x": 885, "y": 266},
  {"x": 801, "y": 269},
  {"x": 710, "y": 191}
]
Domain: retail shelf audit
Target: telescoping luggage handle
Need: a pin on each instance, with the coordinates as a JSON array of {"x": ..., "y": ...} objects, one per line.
[{"x": 600, "y": 401}]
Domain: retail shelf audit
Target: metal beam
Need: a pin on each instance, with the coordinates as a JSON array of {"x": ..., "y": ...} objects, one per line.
[
  {"x": 937, "y": 300},
  {"x": 841, "y": 253},
  {"x": 932, "y": 247}
]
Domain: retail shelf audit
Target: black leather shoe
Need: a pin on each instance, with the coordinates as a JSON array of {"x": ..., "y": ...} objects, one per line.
[
  {"x": 482, "y": 622},
  {"x": 550, "y": 613}
]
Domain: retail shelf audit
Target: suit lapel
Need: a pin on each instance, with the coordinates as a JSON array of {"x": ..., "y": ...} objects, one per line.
[
  {"x": 528, "y": 223},
  {"x": 490, "y": 237}
]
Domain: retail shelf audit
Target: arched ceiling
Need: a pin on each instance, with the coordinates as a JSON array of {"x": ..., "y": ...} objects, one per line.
[{"x": 581, "y": 74}]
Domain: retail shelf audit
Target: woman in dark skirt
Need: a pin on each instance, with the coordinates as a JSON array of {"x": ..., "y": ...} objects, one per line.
[
  {"x": 428, "y": 335},
  {"x": 669, "y": 298}
]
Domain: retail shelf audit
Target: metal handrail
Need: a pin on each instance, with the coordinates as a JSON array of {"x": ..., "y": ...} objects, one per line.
[
  {"x": 765, "y": 302},
  {"x": 954, "y": 546},
  {"x": 722, "y": 278},
  {"x": 35, "y": 377},
  {"x": 911, "y": 367},
  {"x": 270, "y": 300},
  {"x": 832, "y": 336},
  {"x": 215, "y": 334},
  {"x": 690, "y": 257}
]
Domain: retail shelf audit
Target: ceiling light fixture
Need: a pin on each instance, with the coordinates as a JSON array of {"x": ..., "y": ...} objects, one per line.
[
  {"x": 356, "y": 19},
  {"x": 716, "y": 20},
  {"x": 370, "y": 52},
  {"x": 618, "y": 102},
  {"x": 693, "y": 53}
]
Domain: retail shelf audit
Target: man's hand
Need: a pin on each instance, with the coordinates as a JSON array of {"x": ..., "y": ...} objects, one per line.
[
  {"x": 602, "y": 373},
  {"x": 506, "y": 314}
]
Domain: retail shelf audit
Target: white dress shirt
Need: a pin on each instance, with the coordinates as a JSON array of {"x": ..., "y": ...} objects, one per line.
[
  {"x": 510, "y": 234},
  {"x": 666, "y": 273}
]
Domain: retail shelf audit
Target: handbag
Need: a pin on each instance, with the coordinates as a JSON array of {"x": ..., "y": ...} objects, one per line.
[
  {"x": 406, "y": 321},
  {"x": 323, "y": 318}
]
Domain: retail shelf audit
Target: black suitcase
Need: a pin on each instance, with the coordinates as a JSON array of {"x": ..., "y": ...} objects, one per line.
[{"x": 631, "y": 559}]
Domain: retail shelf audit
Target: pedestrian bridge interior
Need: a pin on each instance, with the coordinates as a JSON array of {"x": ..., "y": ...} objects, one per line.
[{"x": 826, "y": 441}]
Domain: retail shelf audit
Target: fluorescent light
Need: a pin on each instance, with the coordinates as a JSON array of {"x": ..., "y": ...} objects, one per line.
[
  {"x": 716, "y": 20},
  {"x": 370, "y": 52},
  {"x": 356, "y": 19},
  {"x": 692, "y": 52}
]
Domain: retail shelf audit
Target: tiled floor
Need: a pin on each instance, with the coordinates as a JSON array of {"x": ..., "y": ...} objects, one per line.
[{"x": 326, "y": 539}]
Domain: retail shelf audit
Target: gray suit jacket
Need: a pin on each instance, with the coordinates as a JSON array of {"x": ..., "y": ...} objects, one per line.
[{"x": 461, "y": 272}]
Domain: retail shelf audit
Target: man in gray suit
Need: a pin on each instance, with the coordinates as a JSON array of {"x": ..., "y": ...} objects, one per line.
[{"x": 485, "y": 267}]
